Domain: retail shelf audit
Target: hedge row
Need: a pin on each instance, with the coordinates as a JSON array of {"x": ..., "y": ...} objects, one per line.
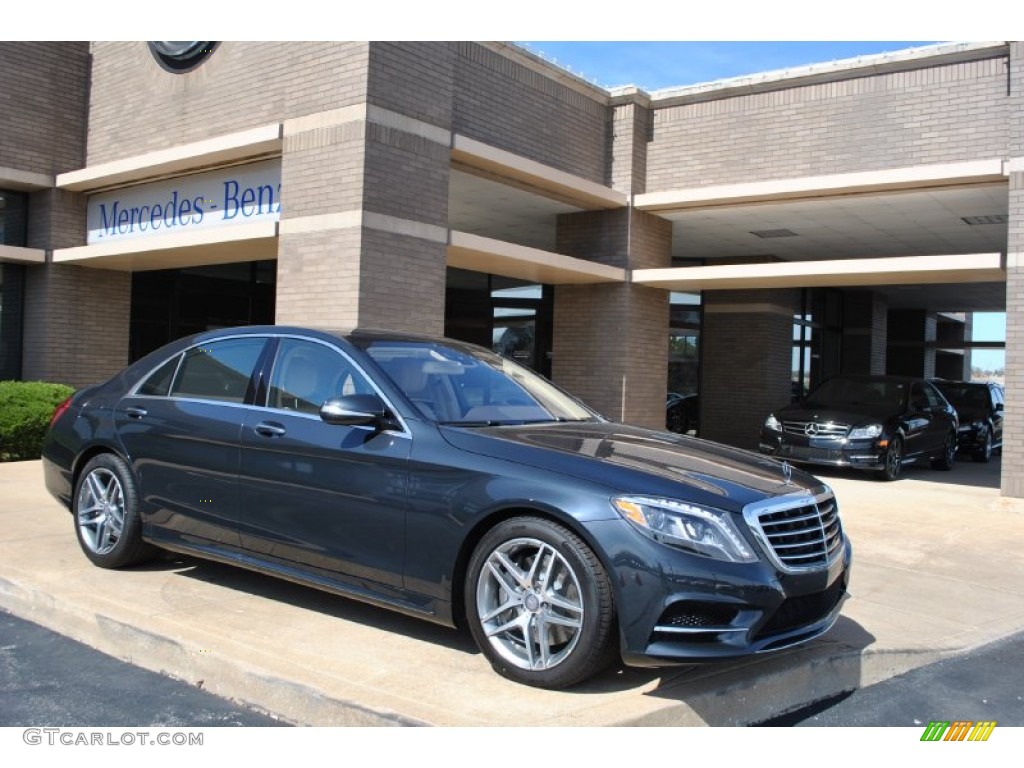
[{"x": 25, "y": 411}]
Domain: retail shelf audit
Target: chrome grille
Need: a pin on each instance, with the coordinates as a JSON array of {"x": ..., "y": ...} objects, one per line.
[
  {"x": 801, "y": 537},
  {"x": 815, "y": 428}
]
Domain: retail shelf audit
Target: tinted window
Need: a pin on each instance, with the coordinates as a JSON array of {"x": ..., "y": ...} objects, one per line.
[
  {"x": 933, "y": 398},
  {"x": 218, "y": 371},
  {"x": 159, "y": 382},
  {"x": 306, "y": 374},
  {"x": 859, "y": 392}
]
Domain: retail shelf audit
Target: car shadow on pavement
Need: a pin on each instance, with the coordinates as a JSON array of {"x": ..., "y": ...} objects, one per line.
[
  {"x": 761, "y": 687},
  {"x": 965, "y": 472},
  {"x": 311, "y": 599}
]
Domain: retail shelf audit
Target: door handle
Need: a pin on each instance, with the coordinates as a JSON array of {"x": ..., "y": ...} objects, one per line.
[
  {"x": 268, "y": 429},
  {"x": 135, "y": 412}
]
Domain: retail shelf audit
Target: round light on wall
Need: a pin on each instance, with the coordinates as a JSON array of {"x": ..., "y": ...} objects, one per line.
[{"x": 180, "y": 55}]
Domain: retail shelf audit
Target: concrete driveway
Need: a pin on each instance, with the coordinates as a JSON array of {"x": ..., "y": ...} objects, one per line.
[{"x": 938, "y": 569}]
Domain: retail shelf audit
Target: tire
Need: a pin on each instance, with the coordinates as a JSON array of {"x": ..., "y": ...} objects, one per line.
[
  {"x": 893, "y": 460},
  {"x": 947, "y": 459},
  {"x": 984, "y": 454},
  {"x": 106, "y": 514},
  {"x": 517, "y": 572}
]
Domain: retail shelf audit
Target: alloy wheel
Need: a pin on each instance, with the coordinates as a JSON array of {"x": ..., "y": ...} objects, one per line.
[
  {"x": 530, "y": 604},
  {"x": 101, "y": 510}
]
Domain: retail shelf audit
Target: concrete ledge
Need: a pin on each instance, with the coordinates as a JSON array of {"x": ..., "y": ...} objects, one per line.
[
  {"x": 22, "y": 255},
  {"x": 485, "y": 254},
  {"x": 219, "y": 150},
  {"x": 24, "y": 181}
]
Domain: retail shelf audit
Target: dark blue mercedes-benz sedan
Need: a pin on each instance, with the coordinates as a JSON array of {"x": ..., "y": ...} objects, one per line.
[{"x": 436, "y": 478}]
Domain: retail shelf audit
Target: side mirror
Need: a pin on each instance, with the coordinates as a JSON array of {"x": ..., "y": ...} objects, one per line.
[
  {"x": 354, "y": 410},
  {"x": 999, "y": 406}
]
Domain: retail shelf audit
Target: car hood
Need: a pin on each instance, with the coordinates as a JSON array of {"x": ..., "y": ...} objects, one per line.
[
  {"x": 640, "y": 461},
  {"x": 840, "y": 415}
]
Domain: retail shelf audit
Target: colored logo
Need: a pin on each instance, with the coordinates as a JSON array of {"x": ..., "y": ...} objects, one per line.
[{"x": 958, "y": 730}]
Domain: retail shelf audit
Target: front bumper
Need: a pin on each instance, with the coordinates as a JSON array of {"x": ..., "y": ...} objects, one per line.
[
  {"x": 677, "y": 608},
  {"x": 825, "y": 452}
]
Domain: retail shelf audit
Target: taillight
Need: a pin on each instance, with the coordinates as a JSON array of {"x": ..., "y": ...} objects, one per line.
[{"x": 59, "y": 411}]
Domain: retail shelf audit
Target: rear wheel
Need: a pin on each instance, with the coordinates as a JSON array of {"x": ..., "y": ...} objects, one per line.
[
  {"x": 540, "y": 604},
  {"x": 106, "y": 514},
  {"x": 892, "y": 461}
]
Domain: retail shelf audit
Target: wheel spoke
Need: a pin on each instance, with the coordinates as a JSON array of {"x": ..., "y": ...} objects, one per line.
[
  {"x": 514, "y": 570},
  {"x": 541, "y": 628},
  {"x": 564, "y": 621},
  {"x": 502, "y": 575},
  {"x": 531, "y": 577},
  {"x": 528, "y": 630},
  {"x": 545, "y": 580},
  {"x": 561, "y": 602},
  {"x": 507, "y": 605},
  {"x": 99, "y": 493}
]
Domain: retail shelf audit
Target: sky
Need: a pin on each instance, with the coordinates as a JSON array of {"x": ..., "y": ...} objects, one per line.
[{"x": 663, "y": 64}]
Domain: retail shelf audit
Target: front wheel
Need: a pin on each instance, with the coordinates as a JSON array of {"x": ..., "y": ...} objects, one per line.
[
  {"x": 106, "y": 514},
  {"x": 539, "y": 604},
  {"x": 892, "y": 461},
  {"x": 947, "y": 458},
  {"x": 984, "y": 453}
]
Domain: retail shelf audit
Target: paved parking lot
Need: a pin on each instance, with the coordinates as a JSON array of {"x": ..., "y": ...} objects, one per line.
[{"x": 936, "y": 572}]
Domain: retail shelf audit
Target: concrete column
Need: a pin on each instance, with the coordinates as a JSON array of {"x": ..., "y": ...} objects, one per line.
[
  {"x": 911, "y": 343},
  {"x": 1013, "y": 426},
  {"x": 865, "y": 328},
  {"x": 363, "y": 235},
  {"x": 611, "y": 340},
  {"x": 746, "y": 362}
]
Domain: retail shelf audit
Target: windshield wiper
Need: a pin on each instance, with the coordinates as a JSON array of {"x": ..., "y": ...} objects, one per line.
[{"x": 491, "y": 423}]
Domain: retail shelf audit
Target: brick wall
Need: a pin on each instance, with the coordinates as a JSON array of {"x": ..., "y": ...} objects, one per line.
[
  {"x": 610, "y": 345},
  {"x": 1013, "y": 436},
  {"x": 136, "y": 106},
  {"x": 630, "y": 130},
  {"x": 76, "y": 324},
  {"x": 938, "y": 114},
  {"x": 508, "y": 105},
  {"x": 746, "y": 362},
  {"x": 43, "y": 92}
]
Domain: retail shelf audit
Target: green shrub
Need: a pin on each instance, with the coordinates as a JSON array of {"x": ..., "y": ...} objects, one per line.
[{"x": 25, "y": 411}]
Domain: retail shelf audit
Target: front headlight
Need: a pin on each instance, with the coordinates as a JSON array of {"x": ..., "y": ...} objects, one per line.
[
  {"x": 772, "y": 423},
  {"x": 700, "y": 530},
  {"x": 865, "y": 433}
]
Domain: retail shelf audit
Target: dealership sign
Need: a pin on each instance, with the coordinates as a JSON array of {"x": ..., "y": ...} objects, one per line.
[{"x": 241, "y": 194}]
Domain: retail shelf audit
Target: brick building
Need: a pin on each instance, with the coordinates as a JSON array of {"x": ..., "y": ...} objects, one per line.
[{"x": 840, "y": 217}]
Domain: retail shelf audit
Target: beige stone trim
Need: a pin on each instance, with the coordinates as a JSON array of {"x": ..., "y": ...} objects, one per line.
[
  {"x": 1013, "y": 165},
  {"x": 321, "y": 223},
  {"x": 219, "y": 150},
  {"x": 22, "y": 255},
  {"x": 747, "y": 309},
  {"x": 177, "y": 250},
  {"x": 956, "y": 268},
  {"x": 326, "y": 222},
  {"x": 565, "y": 186},
  {"x": 367, "y": 113},
  {"x": 914, "y": 177},
  {"x": 497, "y": 257},
  {"x": 331, "y": 117},
  {"x": 12, "y": 178}
]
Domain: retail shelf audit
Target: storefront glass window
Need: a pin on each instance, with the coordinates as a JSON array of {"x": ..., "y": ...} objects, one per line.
[{"x": 13, "y": 221}]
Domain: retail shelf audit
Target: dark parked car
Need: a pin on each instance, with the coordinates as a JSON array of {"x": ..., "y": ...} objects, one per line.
[
  {"x": 682, "y": 413},
  {"x": 877, "y": 423},
  {"x": 438, "y": 479},
  {"x": 980, "y": 407}
]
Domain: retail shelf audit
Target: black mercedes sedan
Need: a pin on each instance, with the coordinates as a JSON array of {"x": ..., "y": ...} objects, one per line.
[
  {"x": 877, "y": 423},
  {"x": 980, "y": 406},
  {"x": 438, "y": 479}
]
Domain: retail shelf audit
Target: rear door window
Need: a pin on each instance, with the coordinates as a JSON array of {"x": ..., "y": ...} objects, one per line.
[{"x": 218, "y": 371}]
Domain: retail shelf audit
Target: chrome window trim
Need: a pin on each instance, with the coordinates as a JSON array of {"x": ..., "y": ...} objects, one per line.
[
  {"x": 752, "y": 513},
  {"x": 405, "y": 431}
]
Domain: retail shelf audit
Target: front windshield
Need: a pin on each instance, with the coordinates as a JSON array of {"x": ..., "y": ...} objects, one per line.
[
  {"x": 467, "y": 386},
  {"x": 840, "y": 392}
]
